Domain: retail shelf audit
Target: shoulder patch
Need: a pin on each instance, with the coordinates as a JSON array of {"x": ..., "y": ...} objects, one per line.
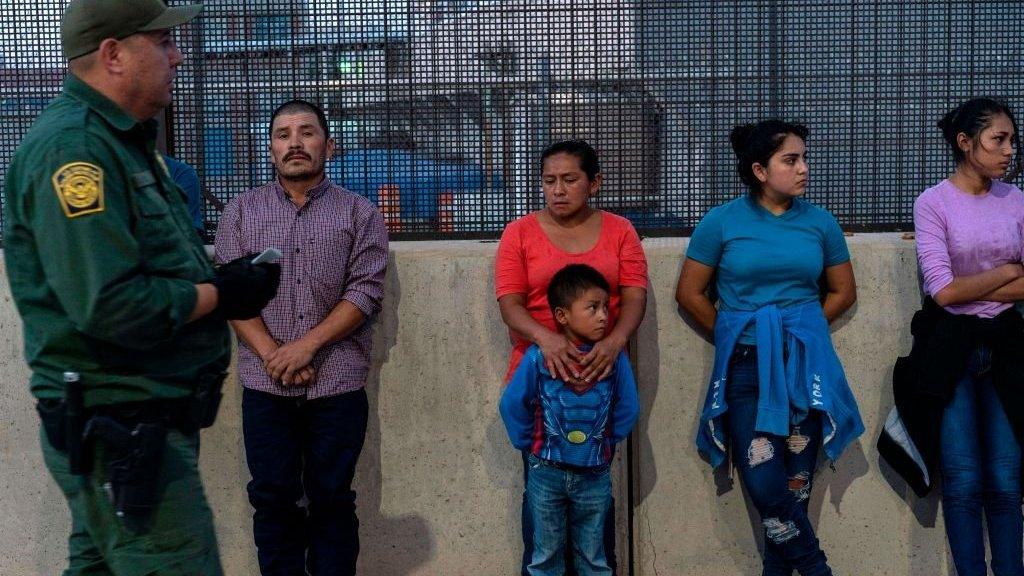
[{"x": 79, "y": 187}]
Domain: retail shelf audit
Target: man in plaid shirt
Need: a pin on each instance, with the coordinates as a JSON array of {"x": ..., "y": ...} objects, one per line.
[{"x": 303, "y": 363}]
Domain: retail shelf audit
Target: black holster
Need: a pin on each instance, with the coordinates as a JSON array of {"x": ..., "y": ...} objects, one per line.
[
  {"x": 203, "y": 405},
  {"x": 64, "y": 425},
  {"x": 133, "y": 459},
  {"x": 133, "y": 437}
]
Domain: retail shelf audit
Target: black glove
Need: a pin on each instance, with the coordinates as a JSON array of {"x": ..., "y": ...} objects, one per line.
[{"x": 243, "y": 288}]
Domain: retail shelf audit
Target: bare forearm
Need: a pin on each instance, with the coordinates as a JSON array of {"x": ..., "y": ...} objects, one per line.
[
  {"x": 700, "y": 308},
  {"x": 692, "y": 293},
  {"x": 841, "y": 290},
  {"x": 1011, "y": 292},
  {"x": 631, "y": 314},
  {"x": 342, "y": 321},
  {"x": 206, "y": 301},
  {"x": 518, "y": 319},
  {"x": 254, "y": 333},
  {"x": 977, "y": 286},
  {"x": 836, "y": 303}
]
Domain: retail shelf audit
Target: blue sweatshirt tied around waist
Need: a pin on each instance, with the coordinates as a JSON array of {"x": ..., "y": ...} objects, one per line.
[{"x": 798, "y": 371}]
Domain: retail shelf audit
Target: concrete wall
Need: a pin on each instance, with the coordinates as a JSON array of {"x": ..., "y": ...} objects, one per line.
[{"x": 439, "y": 486}]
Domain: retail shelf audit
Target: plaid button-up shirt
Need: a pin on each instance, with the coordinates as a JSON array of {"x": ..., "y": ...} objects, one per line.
[{"x": 335, "y": 248}]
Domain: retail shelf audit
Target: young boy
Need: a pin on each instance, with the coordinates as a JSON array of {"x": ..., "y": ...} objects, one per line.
[{"x": 570, "y": 430}]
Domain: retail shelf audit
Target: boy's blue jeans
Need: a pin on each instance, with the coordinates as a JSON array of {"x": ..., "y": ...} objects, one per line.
[
  {"x": 527, "y": 527},
  {"x": 981, "y": 463},
  {"x": 585, "y": 497},
  {"x": 777, "y": 473}
]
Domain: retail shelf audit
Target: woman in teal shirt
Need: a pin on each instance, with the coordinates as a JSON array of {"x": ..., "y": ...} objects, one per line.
[{"x": 770, "y": 249}]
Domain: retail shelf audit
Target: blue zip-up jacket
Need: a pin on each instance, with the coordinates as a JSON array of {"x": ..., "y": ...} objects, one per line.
[
  {"x": 545, "y": 416},
  {"x": 810, "y": 378}
]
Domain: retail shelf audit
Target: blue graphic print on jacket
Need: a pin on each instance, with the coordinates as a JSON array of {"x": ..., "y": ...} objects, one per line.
[
  {"x": 798, "y": 370},
  {"x": 554, "y": 422}
]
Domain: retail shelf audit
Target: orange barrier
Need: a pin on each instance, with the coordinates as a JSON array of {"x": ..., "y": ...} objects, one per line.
[
  {"x": 390, "y": 203},
  {"x": 446, "y": 212}
]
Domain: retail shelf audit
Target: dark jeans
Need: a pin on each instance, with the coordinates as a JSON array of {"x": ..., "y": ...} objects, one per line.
[
  {"x": 570, "y": 564},
  {"x": 298, "y": 447},
  {"x": 777, "y": 473},
  {"x": 981, "y": 463}
]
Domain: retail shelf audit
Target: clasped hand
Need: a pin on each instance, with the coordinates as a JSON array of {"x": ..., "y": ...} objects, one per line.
[{"x": 290, "y": 364}]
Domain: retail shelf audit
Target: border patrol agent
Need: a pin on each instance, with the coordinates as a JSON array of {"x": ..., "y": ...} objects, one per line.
[{"x": 124, "y": 316}]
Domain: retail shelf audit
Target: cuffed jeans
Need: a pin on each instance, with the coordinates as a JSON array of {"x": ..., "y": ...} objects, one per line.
[
  {"x": 981, "y": 462},
  {"x": 777, "y": 473},
  {"x": 297, "y": 447},
  {"x": 584, "y": 497}
]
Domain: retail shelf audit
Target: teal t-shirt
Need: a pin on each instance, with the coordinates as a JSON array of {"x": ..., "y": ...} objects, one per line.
[{"x": 766, "y": 259}]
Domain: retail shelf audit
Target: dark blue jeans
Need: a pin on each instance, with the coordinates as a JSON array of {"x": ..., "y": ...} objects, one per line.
[
  {"x": 297, "y": 447},
  {"x": 527, "y": 525},
  {"x": 981, "y": 471},
  {"x": 777, "y": 473}
]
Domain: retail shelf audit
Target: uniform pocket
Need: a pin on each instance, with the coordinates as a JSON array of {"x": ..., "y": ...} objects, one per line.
[{"x": 160, "y": 240}]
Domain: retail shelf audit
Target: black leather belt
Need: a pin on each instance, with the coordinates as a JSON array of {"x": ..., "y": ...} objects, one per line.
[{"x": 571, "y": 467}]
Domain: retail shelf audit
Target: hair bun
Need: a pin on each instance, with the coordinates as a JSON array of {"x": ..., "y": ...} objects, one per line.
[
  {"x": 948, "y": 119},
  {"x": 739, "y": 137}
]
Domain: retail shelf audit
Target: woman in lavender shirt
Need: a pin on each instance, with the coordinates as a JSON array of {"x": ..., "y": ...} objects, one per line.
[{"x": 969, "y": 249}]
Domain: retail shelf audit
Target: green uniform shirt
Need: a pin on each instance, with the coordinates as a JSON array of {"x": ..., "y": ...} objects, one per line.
[{"x": 102, "y": 258}]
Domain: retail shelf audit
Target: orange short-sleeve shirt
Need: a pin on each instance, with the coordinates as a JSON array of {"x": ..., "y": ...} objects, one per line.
[{"x": 527, "y": 260}]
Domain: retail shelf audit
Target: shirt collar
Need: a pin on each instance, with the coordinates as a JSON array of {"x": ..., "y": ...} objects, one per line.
[
  {"x": 105, "y": 107},
  {"x": 311, "y": 194},
  {"x": 795, "y": 209}
]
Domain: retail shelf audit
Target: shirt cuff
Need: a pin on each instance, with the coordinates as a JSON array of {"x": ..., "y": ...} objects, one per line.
[
  {"x": 705, "y": 260},
  {"x": 938, "y": 285},
  {"x": 511, "y": 290},
  {"x": 367, "y": 305}
]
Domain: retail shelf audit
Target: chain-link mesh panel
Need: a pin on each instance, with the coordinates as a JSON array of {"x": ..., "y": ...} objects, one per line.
[
  {"x": 30, "y": 73},
  {"x": 441, "y": 109}
]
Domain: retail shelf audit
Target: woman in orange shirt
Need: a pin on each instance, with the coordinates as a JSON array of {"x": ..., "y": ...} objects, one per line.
[{"x": 569, "y": 231}]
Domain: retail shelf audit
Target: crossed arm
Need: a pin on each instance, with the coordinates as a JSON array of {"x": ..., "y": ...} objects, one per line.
[{"x": 1000, "y": 284}]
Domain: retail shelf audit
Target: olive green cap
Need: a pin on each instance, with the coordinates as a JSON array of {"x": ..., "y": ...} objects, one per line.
[{"x": 87, "y": 23}]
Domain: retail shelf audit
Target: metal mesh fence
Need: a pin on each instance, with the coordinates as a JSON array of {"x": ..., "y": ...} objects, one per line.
[{"x": 441, "y": 108}]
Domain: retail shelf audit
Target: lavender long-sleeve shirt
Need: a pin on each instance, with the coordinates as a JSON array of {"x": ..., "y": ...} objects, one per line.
[
  {"x": 335, "y": 248},
  {"x": 960, "y": 234}
]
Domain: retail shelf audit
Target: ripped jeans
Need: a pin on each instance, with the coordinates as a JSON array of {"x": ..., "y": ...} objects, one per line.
[{"x": 776, "y": 473}]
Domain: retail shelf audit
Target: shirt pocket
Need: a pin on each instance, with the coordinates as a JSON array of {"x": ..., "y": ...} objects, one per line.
[
  {"x": 159, "y": 238},
  {"x": 328, "y": 259}
]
